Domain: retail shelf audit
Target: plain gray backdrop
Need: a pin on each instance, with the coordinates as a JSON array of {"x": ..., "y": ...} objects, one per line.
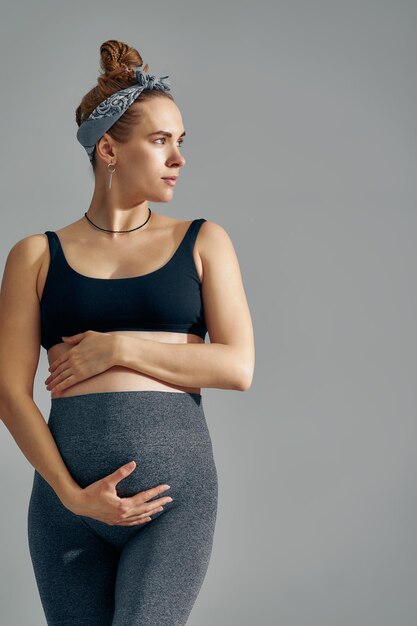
[{"x": 301, "y": 143}]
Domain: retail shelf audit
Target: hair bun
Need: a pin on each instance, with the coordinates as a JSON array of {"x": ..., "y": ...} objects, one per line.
[{"x": 118, "y": 59}]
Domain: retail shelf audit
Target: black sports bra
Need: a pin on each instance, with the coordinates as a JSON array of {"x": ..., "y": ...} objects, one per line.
[{"x": 167, "y": 299}]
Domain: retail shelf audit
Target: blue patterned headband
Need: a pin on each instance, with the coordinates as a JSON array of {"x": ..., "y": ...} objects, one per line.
[{"x": 112, "y": 108}]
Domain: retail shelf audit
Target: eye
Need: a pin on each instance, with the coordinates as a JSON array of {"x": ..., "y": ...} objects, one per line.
[{"x": 180, "y": 141}]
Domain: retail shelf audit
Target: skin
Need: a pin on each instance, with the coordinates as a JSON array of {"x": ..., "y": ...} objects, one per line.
[{"x": 121, "y": 360}]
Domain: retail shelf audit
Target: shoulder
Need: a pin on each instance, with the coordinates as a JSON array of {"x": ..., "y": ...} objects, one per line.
[
  {"x": 212, "y": 238},
  {"x": 24, "y": 263},
  {"x": 29, "y": 250},
  {"x": 213, "y": 229}
]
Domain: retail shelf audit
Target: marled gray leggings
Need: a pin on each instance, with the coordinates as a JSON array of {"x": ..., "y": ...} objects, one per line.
[{"x": 95, "y": 574}]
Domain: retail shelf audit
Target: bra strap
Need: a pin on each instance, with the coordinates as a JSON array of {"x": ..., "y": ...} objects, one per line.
[
  {"x": 193, "y": 232},
  {"x": 52, "y": 242}
]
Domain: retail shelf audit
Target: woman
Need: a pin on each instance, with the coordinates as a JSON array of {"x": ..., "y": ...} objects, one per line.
[{"x": 121, "y": 300}]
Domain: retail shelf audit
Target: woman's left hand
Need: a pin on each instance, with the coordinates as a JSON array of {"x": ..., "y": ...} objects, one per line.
[{"x": 91, "y": 353}]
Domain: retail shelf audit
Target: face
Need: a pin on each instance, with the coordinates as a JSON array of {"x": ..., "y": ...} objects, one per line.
[{"x": 149, "y": 156}]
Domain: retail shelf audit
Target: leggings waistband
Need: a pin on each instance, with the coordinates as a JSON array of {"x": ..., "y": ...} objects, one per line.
[{"x": 129, "y": 394}]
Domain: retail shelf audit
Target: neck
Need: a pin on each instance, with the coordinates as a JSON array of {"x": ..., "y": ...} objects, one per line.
[{"x": 112, "y": 213}]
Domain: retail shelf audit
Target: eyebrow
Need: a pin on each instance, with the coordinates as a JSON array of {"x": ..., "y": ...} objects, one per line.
[{"x": 164, "y": 132}]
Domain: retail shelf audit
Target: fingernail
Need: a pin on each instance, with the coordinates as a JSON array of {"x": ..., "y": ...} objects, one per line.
[{"x": 167, "y": 487}]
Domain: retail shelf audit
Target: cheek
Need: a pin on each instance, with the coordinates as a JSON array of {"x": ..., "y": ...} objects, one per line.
[
  {"x": 143, "y": 163},
  {"x": 148, "y": 157}
]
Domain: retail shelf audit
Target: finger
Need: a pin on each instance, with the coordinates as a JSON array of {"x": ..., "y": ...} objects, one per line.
[
  {"x": 57, "y": 363},
  {"x": 138, "y": 519},
  {"x": 115, "y": 477},
  {"x": 136, "y": 522},
  {"x": 53, "y": 365},
  {"x": 63, "y": 384},
  {"x": 68, "y": 382},
  {"x": 148, "y": 511},
  {"x": 60, "y": 375},
  {"x": 144, "y": 496}
]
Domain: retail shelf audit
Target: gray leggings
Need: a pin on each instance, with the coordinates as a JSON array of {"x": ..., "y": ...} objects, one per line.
[{"x": 91, "y": 573}]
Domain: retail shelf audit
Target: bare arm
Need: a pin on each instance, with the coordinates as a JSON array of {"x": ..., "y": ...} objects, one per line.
[
  {"x": 228, "y": 361},
  {"x": 19, "y": 358}
]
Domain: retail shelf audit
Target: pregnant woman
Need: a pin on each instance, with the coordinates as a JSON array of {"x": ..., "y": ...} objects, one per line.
[{"x": 123, "y": 507}]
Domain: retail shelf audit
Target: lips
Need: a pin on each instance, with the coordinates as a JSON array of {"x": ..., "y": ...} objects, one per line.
[{"x": 170, "y": 177}]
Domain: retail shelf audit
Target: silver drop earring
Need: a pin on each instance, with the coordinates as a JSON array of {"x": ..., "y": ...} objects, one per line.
[{"x": 111, "y": 173}]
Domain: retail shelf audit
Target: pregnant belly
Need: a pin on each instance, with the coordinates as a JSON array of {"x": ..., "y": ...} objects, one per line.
[
  {"x": 166, "y": 434},
  {"x": 120, "y": 378}
]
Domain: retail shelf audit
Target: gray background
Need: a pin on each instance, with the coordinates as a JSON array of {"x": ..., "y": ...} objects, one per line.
[{"x": 301, "y": 143}]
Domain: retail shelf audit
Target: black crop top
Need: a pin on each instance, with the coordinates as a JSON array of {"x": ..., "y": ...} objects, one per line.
[{"x": 167, "y": 299}]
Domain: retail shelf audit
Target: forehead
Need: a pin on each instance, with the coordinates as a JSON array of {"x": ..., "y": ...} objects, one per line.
[{"x": 160, "y": 113}]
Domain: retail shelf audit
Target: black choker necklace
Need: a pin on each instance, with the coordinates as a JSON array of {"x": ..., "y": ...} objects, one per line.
[{"x": 120, "y": 231}]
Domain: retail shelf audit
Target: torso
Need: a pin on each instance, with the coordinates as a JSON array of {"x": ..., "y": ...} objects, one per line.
[{"x": 107, "y": 259}]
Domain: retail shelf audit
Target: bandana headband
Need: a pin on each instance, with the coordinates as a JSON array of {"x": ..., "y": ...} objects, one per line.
[{"x": 112, "y": 108}]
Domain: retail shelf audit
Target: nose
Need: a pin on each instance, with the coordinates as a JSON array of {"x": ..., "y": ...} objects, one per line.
[{"x": 177, "y": 159}]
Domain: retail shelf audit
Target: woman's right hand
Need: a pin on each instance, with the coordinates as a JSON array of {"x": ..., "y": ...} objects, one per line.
[{"x": 101, "y": 502}]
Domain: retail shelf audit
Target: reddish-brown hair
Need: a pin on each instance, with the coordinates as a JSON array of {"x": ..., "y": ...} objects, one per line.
[{"x": 115, "y": 58}]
